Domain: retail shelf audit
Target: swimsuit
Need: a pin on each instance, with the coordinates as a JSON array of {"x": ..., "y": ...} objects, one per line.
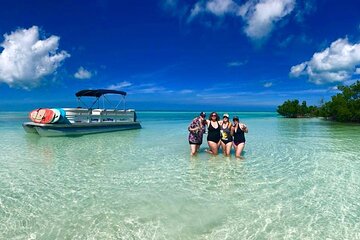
[
  {"x": 226, "y": 134},
  {"x": 213, "y": 133},
  {"x": 195, "y": 143},
  {"x": 239, "y": 136}
]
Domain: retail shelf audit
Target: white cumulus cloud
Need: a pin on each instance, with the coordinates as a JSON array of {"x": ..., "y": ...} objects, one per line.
[
  {"x": 216, "y": 7},
  {"x": 26, "y": 59},
  {"x": 221, "y": 7},
  {"x": 261, "y": 16},
  {"x": 82, "y": 73},
  {"x": 337, "y": 63}
]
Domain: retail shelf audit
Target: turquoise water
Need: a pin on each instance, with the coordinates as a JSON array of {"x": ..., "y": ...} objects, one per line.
[{"x": 300, "y": 179}]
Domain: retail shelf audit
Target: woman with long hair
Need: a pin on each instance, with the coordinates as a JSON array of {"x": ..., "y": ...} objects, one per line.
[{"x": 213, "y": 137}]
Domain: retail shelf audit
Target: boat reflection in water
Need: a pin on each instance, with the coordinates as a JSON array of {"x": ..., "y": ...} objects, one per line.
[{"x": 79, "y": 121}]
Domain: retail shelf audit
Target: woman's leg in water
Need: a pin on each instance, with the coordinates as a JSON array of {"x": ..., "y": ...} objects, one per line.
[
  {"x": 239, "y": 148},
  {"x": 213, "y": 147},
  {"x": 223, "y": 147},
  {"x": 228, "y": 148},
  {"x": 193, "y": 149}
]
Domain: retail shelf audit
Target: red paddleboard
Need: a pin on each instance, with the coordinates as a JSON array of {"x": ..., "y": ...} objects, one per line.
[{"x": 42, "y": 115}]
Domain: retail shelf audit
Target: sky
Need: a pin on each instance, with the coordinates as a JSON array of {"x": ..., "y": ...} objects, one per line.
[{"x": 178, "y": 54}]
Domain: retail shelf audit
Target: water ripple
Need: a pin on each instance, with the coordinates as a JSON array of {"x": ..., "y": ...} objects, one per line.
[{"x": 300, "y": 179}]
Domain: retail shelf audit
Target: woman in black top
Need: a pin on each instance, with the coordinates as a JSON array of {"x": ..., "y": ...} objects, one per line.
[
  {"x": 237, "y": 131},
  {"x": 213, "y": 136},
  {"x": 226, "y": 138}
]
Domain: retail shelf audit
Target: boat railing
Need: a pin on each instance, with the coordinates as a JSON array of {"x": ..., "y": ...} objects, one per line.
[{"x": 83, "y": 115}]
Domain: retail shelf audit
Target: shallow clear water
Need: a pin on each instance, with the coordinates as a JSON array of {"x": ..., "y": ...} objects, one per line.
[{"x": 300, "y": 179}]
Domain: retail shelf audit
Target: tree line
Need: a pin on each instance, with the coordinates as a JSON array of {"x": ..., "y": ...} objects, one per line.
[{"x": 343, "y": 107}]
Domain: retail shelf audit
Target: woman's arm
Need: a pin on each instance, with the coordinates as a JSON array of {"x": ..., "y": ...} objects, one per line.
[
  {"x": 193, "y": 129},
  {"x": 244, "y": 128},
  {"x": 193, "y": 126},
  {"x": 197, "y": 125}
]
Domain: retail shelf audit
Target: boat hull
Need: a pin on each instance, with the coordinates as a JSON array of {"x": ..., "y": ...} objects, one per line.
[{"x": 56, "y": 130}]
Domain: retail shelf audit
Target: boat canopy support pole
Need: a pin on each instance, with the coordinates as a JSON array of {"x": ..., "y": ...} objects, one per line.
[
  {"x": 79, "y": 100},
  {"x": 111, "y": 104},
  {"x": 96, "y": 101},
  {"x": 121, "y": 101}
]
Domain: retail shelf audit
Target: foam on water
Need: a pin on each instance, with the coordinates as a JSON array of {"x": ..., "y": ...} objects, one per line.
[{"x": 299, "y": 180}]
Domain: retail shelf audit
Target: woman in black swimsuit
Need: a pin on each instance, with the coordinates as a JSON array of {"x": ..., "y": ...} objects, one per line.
[
  {"x": 237, "y": 130},
  {"x": 213, "y": 136},
  {"x": 226, "y": 138}
]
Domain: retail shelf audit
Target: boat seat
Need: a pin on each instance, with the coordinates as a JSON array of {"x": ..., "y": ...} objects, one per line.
[{"x": 97, "y": 111}]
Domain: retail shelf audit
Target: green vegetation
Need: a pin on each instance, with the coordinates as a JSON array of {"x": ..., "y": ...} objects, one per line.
[
  {"x": 343, "y": 107},
  {"x": 292, "y": 109}
]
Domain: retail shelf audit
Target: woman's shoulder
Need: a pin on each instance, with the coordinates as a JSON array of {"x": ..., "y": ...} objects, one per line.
[
  {"x": 197, "y": 119},
  {"x": 194, "y": 121}
]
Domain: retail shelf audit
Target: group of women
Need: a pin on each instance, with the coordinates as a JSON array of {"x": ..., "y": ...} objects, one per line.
[{"x": 219, "y": 133}]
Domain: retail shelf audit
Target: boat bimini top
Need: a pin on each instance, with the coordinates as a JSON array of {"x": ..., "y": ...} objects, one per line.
[{"x": 98, "y": 93}]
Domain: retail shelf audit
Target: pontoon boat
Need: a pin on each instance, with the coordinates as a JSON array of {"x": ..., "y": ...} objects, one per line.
[{"x": 79, "y": 121}]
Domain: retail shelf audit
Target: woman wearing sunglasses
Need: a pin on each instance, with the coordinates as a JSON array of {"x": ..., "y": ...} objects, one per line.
[{"x": 213, "y": 137}]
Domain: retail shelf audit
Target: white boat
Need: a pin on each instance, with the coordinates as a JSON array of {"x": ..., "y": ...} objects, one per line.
[{"x": 79, "y": 121}]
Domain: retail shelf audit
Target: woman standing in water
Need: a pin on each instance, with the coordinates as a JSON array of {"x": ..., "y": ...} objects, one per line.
[
  {"x": 226, "y": 138},
  {"x": 238, "y": 131},
  {"x": 196, "y": 131},
  {"x": 213, "y": 137}
]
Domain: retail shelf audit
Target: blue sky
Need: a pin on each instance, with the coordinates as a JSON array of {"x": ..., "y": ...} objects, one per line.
[{"x": 176, "y": 54}]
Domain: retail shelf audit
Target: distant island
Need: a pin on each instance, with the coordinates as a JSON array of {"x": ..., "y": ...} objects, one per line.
[{"x": 343, "y": 107}]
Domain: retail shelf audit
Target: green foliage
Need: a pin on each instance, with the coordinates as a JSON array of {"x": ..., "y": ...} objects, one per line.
[
  {"x": 343, "y": 107},
  {"x": 292, "y": 109},
  {"x": 313, "y": 111}
]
